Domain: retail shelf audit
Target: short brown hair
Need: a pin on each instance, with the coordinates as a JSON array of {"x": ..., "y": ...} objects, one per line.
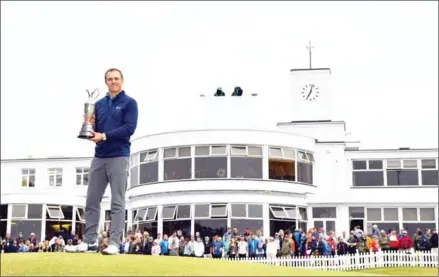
[{"x": 111, "y": 70}]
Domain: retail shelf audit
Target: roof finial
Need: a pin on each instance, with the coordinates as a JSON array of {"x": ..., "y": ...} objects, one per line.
[{"x": 309, "y": 47}]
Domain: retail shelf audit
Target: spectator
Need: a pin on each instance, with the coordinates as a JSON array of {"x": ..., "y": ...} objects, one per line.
[
  {"x": 217, "y": 248},
  {"x": 383, "y": 241},
  {"x": 155, "y": 250},
  {"x": 271, "y": 248},
  {"x": 342, "y": 247},
  {"x": 242, "y": 248},
  {"x": 434, "y": 241},
  {"x": 393, "y": 241},
  {"x": 405, "y": 242},
  {"x": 199, "y": 248},
  {"x": 164, "y": 245}
]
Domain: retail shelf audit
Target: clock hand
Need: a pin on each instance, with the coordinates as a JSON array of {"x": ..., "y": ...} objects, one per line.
[{"x": 310, "y": 91}]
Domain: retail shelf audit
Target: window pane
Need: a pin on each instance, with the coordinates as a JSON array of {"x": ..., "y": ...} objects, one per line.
[
  {"x": 429, "y": 177},
  {"x": 356, "y": 212},
  {"x": 140, "y": 215},
  {"x": 169, "y": 153},
  {"x": 219, "y": 211},
  {"x": 323, "y": 212},
  {"x": 303, "y": 213},
  {"x": 278, "y": 212},
  {"x": 318, "y": 224},
  {"x": 429, "y": 163},
  {"x": 275, "y": 152},
  {"x": 239, "y": 210},
  {"x": 291, "y": 212},
  {"x": 78, "y": 179},
  {"x": 35, "y": 211},
  {"x": 254, "y": 210},
  {"x": 32, "y": 181},
  {"x": 242, "y": 224},
  {"x": 245, "y": 167},
  {"x": 85, "y": 179},
  {"x": 427, "y": 214},
  {"x": 374, "y": 214},
  {"x": 177, "y": 169},
  {"x": 202, "y": 150},
  {"x": 410, "y": 163},
  {"x": 184, "y": 152},
  {"x": 26, "y": 227},
  {"x": 390, "y": 214},
  {"x": 282, "y": 170},
  {"x": 359, "y": 165},
  {"x": 219, "y": 150},
  {"x": 202, "y": 210},
  {"x": 375, "y": 164},
  {"x": 393, "y": 163},
  {"x": 18, "y": 211},
  {"x": 184, "y": 211},
  {"x": 149, "y": 172},
  {"x": 410, "y": 214},
  {"x": 402, "y": 178},
  {"x": 289, "y": 153},
  {"x": 211, "y": 167},
  {"x": 304, "y": 173},
  {"x": 368, "y": 178},
  {"x": 412, "y": 227},
  {"x": 330, "y": 226},
  {"x": 211, "y": 227},
  {"x": 152, "y": 214},
  {"x": 239, "y": 150},
  {"x": 255, "y": 151},
  {"x": 168, "y": 212}
]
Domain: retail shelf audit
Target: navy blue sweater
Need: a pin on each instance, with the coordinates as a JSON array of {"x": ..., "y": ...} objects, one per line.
[{"x": 117, "y": 118}]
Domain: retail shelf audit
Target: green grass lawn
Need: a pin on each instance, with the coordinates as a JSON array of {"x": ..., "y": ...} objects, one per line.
[{"x": 81, "y": 264}]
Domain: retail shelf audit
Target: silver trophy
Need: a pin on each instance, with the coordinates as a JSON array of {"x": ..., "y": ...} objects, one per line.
[{"x": 89, "y": 110}]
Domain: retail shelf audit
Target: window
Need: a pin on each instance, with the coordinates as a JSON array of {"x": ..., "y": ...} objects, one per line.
[
  {"x": 218, "y": 211},
  {"x": 19, "y": 211},
  {"x": 324, "y": 212},
  {"x": 282, "y": 164},
  {"x": 55, "y": 212},
  {"x": 80, "y": 212},
  {"x": 28, "y": 178},
  {"x": 304, "y": 167},
  {"x": 82, "y": 176},
  {"x": 356, "y": 212},
  {"x": 390, "y": 214},
  {"x": 168, "y": 212},
  {"x": 177, "y": 163},
  {"x": 210, "y": 162},
  {"x": 283, "y": 212},
  {"x": 34, "y": 211},
  {"x": 145, "y": 214},
  {"x": 246, "y": 162},
  {"x": 246, "y": 211},
  {"x": 184, "y": 212},
  {"x": 414, "y": 218},
  {"x": 202, "y": 211},
  {"x": 374, "y": 214},
  {"x": 55, "y": 177},
  {"x": 149, "y": 167},
  {"x": 429, "y": 172},
  {"x": 367, "y": 173},
  {"x": 402, "y": 173}
]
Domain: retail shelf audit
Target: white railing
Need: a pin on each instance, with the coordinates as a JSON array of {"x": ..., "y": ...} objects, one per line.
[{"x": 351, "y": 262}]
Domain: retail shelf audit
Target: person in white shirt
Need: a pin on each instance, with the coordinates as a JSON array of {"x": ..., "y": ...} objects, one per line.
[
  {"x": 70, "y": 248},
  {"x": 271, "y": 249},
  {"x": 199, "y": 248},
  {"x": 242, "y": 248},
  {"x": 155, "y": 250}
]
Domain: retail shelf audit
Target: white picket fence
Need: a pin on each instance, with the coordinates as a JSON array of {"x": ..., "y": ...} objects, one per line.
[{"x": 351, "y": 262}]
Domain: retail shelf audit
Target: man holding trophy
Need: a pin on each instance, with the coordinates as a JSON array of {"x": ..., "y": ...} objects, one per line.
[{"x": 110, "y": 123}]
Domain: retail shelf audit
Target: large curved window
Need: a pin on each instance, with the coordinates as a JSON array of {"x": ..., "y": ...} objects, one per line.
[
  {"x": 246, "y": 162},
  {"x": 210, "y": 162},
  {"x": 149, "y": 167},
  {"x": 177, "y": 163},
  {"x": 221, "y": 162}
]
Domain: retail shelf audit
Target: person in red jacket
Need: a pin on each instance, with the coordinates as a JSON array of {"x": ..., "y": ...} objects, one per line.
[
  {"x": 393, "y": 241},
  {"x": 405, "y": 242}
]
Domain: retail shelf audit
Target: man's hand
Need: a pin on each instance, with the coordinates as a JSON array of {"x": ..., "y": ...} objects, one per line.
[
  {"x": 97, "y": 137},
  {"x": 92, "y": 120}
]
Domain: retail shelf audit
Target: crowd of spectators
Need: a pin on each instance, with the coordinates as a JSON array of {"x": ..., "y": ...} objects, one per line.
[{"x": 233, "y": 244}]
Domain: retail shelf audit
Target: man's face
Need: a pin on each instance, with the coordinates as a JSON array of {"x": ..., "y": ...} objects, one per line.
[{"x": 114, "y": 81}]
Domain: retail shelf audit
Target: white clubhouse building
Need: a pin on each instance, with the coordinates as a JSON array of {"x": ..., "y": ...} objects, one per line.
[{"x": 244, "y": 163}]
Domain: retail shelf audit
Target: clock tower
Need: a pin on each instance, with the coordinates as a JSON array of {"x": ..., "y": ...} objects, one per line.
[{"x": 310, "y": 94}]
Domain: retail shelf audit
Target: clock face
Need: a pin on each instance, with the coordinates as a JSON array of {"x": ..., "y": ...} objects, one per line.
[{"x": 310, "y": 92}]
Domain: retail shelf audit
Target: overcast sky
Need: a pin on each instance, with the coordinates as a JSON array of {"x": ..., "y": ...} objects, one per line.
[{"x": 383, "y": 57}]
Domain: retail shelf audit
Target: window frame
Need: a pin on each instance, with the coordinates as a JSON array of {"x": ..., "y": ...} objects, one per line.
[
  {"x": 48, "y": 207},
  {"x": 150, "y": 152},
  {"x": 82, "y": 174},
  {"x": 55, "y": 172},
  {"x": 28, "y": 175}
]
